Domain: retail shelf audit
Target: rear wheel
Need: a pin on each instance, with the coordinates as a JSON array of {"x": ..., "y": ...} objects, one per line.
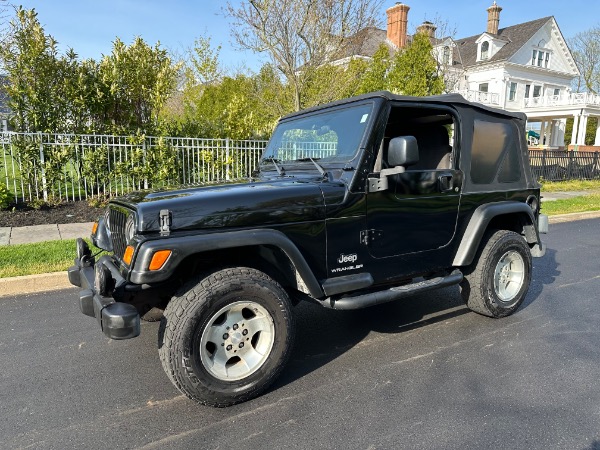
[
  {"x": 497, "y": 282},
  {"x": 225, "y": 338}
]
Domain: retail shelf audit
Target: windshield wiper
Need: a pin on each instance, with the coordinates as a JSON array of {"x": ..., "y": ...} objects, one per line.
[
  {"x": 317, "y": 165},
  {"x": 280, "y": 169}
]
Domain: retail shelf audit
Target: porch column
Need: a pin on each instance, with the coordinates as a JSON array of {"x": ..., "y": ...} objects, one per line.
[
  {"x": 543, "y": 133},
  {"x": 552, "y": 138},
  {"x": 597, "y": 140},
  {"x": 575, "y": 129},
  {"x": 582, "y": 129},
  {"x": 561, "y": 124}
]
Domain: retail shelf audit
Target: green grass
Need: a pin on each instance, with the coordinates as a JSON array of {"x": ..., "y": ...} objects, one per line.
[
  {"x": 40, "y": 257},
  {"x": 572, "y": 205},
  {"x": 571, "y": 185}
]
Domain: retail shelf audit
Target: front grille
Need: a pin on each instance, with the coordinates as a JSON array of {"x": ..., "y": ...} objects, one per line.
[{"x": 117, "y": 218}]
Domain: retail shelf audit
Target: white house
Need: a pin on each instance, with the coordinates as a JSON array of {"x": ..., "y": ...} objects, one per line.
[{"x": 526, "y": 67}]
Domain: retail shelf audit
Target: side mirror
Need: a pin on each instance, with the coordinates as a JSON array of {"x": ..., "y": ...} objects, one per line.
[{"x": 403, "y": 151}]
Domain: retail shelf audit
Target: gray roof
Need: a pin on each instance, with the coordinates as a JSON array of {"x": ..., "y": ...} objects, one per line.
[
  {"x": 366, "y": 42},
  {"x": 516, "y": 36}
]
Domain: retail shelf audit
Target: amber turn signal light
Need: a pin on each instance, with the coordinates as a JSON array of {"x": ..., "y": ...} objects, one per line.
[
  {"x": 128, "y": 255},
  {"x": 159, "y": 259},
  {"x": 94, "y": 227}
]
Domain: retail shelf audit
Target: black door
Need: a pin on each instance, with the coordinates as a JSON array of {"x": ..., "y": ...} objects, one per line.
[{"x": 417, "y": 212}]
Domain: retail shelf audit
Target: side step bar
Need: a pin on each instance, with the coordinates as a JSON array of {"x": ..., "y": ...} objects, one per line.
[{"x": 395, "y": 293}]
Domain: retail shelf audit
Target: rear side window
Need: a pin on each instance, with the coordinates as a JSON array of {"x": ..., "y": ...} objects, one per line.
[{"x": 494, "y": 154}]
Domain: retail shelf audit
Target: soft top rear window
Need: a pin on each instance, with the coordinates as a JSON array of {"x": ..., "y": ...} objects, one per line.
[{"x": 494, "y": 153}]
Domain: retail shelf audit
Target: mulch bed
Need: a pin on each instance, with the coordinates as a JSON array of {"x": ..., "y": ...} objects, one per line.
[{"x": 21, "y": 214}]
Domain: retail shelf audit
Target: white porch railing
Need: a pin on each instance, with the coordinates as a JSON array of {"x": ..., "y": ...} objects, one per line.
[
  {"x": 487, "y": 98},
  {"x": 579, "y": 98}
]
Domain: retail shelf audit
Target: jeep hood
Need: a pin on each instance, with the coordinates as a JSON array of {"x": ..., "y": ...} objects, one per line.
[{"x": 244, "y": 204}]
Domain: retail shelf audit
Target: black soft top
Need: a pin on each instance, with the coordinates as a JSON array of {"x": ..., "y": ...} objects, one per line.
[{"x": 445, "y": 99}]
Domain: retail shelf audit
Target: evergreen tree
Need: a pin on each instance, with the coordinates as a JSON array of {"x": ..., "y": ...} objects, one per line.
[{"x": 414, "y": 70}]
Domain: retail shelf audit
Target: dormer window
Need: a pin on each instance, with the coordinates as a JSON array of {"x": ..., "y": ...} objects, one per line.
[
  {"x": 446, "y": 57},
  {"x": 540, "y": 58},
  {"x": 485, "y": 50}
]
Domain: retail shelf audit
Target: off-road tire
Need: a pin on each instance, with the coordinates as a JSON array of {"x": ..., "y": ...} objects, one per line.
[
  {"x": 192, "y": 315},
  {"x": 478, "y": 287}
]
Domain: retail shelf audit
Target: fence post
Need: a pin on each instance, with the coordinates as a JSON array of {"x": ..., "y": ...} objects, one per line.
[
  {"x": 227, "y": 168},
  {"x": 570, "y": 168},
  {"x": 145, "y": 163},
  {"x": 595, "y": 168},
  {"x": 544, "y": 154},
  {"x": 42, "y": 163}
]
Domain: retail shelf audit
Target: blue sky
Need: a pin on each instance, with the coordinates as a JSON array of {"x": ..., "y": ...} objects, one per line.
[{"x": 90, "y": 26}]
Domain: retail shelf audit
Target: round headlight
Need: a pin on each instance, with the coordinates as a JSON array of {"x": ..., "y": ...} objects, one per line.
[{"x": 130, "y": 228}]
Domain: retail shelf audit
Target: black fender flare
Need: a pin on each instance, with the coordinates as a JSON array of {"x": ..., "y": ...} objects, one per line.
[
  {"x": 479, "y": 222},
  {"x": 184, "y": 246}
]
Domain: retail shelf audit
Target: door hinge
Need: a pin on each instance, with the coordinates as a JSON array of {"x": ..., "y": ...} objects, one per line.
[
  {"x": 165, "y": 222},
  {"x": 368, "y": 236}
]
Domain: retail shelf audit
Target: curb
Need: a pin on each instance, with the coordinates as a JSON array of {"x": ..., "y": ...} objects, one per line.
[
  {"x": 561, "y": 218},
  {"x": 31, "y": 284}
]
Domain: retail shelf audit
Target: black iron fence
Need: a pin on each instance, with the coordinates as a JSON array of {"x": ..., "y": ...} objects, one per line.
[
  {"x": 560, "y": 165},
  {"x": 71, "y": 167}
]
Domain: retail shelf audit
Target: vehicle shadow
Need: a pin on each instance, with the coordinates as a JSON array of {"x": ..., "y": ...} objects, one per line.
[
  {"x": 322, "y": 335},
  {"x": 545, "y": 271}
]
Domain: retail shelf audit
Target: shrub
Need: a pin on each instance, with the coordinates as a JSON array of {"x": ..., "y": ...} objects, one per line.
[{"x": 6, "y": 197}]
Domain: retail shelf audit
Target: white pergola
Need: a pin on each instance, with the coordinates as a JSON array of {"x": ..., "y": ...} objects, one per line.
[{"x": 552, "y": 112}]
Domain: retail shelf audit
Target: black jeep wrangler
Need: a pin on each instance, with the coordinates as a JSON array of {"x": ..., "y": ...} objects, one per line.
[{"x": 358, "y": 202}]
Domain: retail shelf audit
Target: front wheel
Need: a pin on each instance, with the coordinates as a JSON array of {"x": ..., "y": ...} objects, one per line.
[
  {"x": 497, "y": 282},
  {"x": 225, "y": 338}
]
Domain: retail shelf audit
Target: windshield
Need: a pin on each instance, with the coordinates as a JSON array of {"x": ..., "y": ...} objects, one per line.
[{"x": 327, "y": 136}]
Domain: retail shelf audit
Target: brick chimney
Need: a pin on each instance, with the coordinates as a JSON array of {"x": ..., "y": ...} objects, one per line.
[
  {"x": 427, "y": 28},
  {"x": 397, "y": 24},
  {"x": 493, "y": 18}
]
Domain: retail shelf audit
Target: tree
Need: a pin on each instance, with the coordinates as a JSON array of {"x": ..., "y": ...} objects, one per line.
[
  {"x": 414, "y": 70},
  {"x": 586, "y": 52},
  {"x": 375, "y": 73},
  {"x": 300, "y": 35},
  {"x": 31, "y": 63},
  {"x": 203, "y": 62},
  {"x": 139, "y": 80}
]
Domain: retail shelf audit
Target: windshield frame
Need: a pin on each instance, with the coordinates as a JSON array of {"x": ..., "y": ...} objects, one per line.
[{"x": 286, "y": 124}]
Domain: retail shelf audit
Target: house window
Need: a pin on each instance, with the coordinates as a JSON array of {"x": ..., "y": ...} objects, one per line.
[
  {"x": 556, "y": 92},
  {"x": 483, "y": 87},
  {"x": 446, "y": 55},
  {"x": 537, "y": 91},
  {"x": 485, "y": 50},
  {"x": 540, "y": 58},
  {"x": 527, "y": 90},
  {"x": 512, "y": 93}
]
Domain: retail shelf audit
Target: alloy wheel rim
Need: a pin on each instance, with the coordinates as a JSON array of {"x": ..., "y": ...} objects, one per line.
[
  {"x": 509, "y": 276},
  {"x": 237, "y": 340}
]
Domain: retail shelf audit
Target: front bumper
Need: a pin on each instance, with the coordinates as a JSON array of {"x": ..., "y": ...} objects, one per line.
[{"x": 117, "y": 320}]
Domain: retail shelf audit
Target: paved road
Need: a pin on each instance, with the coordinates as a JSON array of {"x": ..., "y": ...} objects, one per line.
[{"x": 421, "y": 374}]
